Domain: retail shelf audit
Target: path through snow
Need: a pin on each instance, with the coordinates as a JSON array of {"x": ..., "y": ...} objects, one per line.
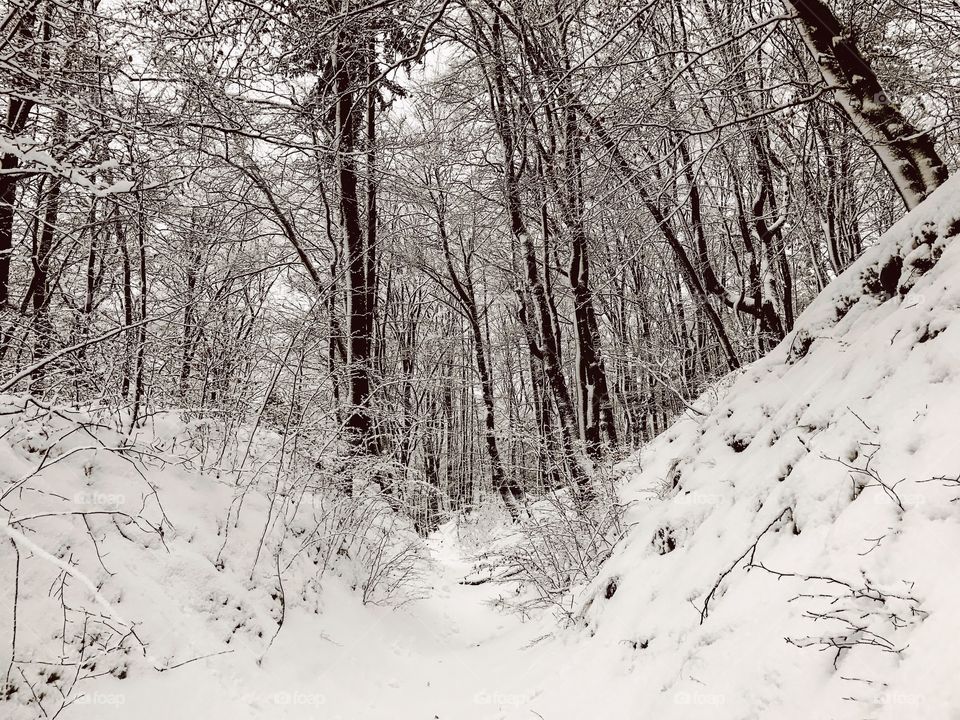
[{"x": 449, "y": 655}]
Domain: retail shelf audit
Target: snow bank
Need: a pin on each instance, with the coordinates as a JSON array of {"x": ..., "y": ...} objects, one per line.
[
  {"x": 125, "y": 561},
  {"x": 793, "y": 549}
]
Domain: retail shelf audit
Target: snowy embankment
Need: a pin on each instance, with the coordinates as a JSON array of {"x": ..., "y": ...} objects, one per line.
[
  {"x": 791, "y": 554},
  {"x": 795, "y": 554},
  {"x": 158, "y": 574}
]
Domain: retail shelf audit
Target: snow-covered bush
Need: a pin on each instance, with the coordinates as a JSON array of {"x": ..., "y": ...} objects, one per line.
[{"x": 110, "y": 537}]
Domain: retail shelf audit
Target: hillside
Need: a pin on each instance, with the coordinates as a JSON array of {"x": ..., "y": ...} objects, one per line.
[{"x": 791, "y": 548}]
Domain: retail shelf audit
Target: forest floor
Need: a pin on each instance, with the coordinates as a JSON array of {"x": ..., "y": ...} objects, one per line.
[{"x": 216, "y": 634}]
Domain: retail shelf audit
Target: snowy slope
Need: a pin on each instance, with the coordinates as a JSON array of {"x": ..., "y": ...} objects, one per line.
[
  {"x": 153, "y": 552},
  {"x": 818, "y": 462},
  {"x": 791, "y": 554}
]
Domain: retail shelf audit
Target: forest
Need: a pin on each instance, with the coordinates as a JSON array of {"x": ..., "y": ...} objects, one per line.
[{"x": 320, "y": 307}]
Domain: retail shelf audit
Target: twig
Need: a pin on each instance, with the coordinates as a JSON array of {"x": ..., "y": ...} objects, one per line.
[
  {"x": 16, "y": 597},
  {"x": 73, "y": 348},
  {"x": 283, "y": 610},
  {"x": 751, "y": 551},
  {"x": 871, "y": 429},
  {"x": 488, "y": 578},
  {"x": 187, "y": 662}
]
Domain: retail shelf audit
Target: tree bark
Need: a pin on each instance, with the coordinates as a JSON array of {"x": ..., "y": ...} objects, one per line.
[
  {"x": 690, "y": 274},
  {"x": 505, "y": 485},
  {"x": 359, "y": 310},
  {"x": 578, "y": 464}
]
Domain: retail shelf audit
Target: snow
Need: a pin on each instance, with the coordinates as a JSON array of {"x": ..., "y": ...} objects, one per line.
[
  {"x": 875, "y": 389},
  {"x": 790, "y": 552}
]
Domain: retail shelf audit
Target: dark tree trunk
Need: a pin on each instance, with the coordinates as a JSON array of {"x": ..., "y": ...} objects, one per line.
[
  {"x": 597, "y": 415},
  {"x": 548, "y": 352},
  {"x": 690, "y": 275},
  {"x": 505, "y": 485},
  {"x": 357, "y": 251},
  {"x": 18, "y": 113},
  {"x": 127, "y": 288},
  {"x": 189, "y": 310},
  {"x": 42, "y": 326},
  {"x": 139, "y": 376}
]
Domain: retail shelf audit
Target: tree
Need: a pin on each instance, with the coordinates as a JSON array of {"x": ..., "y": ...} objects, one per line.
[{"x": 907, "y": 154}]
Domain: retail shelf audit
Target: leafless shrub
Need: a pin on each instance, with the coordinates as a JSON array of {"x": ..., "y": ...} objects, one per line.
[
  {"x": 84, "y": 639},
  {"x": 563, "y": 545},
  {"x": 864, "y": 474}
]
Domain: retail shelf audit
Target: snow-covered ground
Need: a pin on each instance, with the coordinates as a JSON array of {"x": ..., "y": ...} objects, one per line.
[
  {"x": 796, "y": 558},
  {"x": 449, "y": 655},
  {"x": 791, "y": 555}
]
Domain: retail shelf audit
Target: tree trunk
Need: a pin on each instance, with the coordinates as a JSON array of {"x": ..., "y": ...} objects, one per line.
[
  {"x": 359, "y": 296},
  {"x": 505, "y": 485},
  {"x": 690, "y": 274},
  {"x": 18, "y": 112},
  {"x": 907, "y": 154},
  {"x": 42, "y": 327},
  {"x": 597, "y": 416},
  {"x": 578, "y": 465}
]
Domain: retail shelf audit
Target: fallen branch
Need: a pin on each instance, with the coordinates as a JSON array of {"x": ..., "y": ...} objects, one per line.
[
  {"x": 751, "y": 551},
  {"x": 494, "y": 578},
  {"x": 187, "y": 662}
]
